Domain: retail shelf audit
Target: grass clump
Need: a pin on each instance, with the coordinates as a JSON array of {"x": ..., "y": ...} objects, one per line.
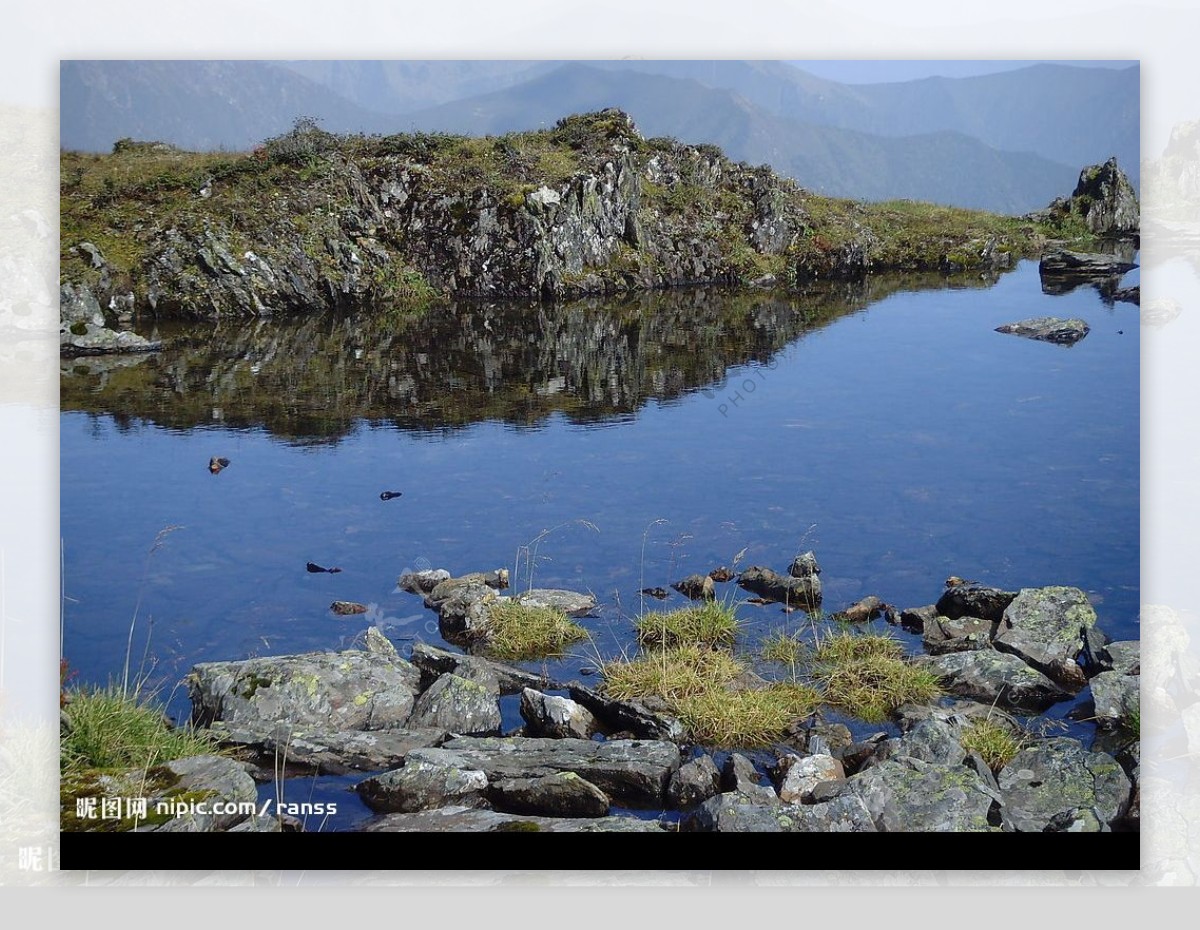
[
  {"x": 111, "y": 730},
  {"x": 784, "y": 648},
  {"x": 755, "y": 717},
  {"x": 673, "y": 674},
  {"x": 710, "y": 623},
  {"x": 867, "y": 677},
  {"x": 516, "y": 631},
  {"x": 996, "y": 743}
]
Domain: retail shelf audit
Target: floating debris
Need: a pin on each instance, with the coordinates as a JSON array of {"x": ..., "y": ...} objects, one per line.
[
  {"x": 347, "y": 608},
  {"x": 314, "y": 567},
  {"x": 389, "y": 495},
  {"x": 217, "y": 463},
  {"x": 660, "y": 593}
]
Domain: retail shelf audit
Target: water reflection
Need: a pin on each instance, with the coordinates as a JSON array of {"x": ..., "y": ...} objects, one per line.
[{"x": 311, "y": 380}]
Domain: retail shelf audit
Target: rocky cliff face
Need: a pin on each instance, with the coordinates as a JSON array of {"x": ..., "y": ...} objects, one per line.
[
  {"x": 311, "y": 222},
  {"x": 1103, "y": 200}
]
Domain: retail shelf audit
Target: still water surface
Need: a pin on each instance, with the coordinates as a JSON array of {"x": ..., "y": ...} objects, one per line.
[{"x": 884, "y": 425}]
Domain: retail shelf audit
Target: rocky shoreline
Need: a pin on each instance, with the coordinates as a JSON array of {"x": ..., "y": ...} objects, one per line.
[{"x": 426, "y": 732}]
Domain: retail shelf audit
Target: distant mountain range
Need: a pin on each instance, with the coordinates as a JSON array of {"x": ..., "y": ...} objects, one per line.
[{"x": 1008, "y": 142}]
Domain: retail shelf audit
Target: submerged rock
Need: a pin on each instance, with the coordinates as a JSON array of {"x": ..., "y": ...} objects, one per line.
[
  {"x": 971, "y": 599},
  {"x": 802, "y": 592},
  {"x": 572, "y": 603},
  {"x": 1044, "y": 627},
  {"x": 696, "y": 587},
  {"x": 869, "y": 608},
  {"x": 1048, "y": 329}
]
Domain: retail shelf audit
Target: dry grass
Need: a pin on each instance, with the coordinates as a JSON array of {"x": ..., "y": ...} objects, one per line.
[
  {"x": 756, "y": 717},
  {"x": 867, "y": 676},
  {"x": 672, "y": 674},
  {"x": 710, "y": 623},
  {"x": 516, "y": 631}
]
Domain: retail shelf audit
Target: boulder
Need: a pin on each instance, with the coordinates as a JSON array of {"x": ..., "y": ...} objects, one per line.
[
  {"x": 310, "y": 693},
  {"x": 571, "y": 603},
  {"x": 1106, "y": 201},
  {"x": 802, "y": 592},
  {"x": 433, "y": 662},
  {"x": 1054, "y": 777},
  {"x": 909, "y": 795},
  {"x": 740, "y": 777},
  {"x": 555, "y": 716},
  {"x": 696, "y": 587},
  {"x": 804, "y": 565},
  {"x": 694, "y": 783},
  {"x": 633, "y": 773},
  {"x": 1125, "y": 656},
  {"x": 83, "y": 330},
  {"x": 869, "y": 608},
  {"x": 422, "y": 582},
  {"x": 1044, "y": 627},
  {"x": 915, "y": 619},
  {"x": 731, "y": 813},
  {"x": 423, "y": 784},
  {"x": 996, "y": 678},
  {"x": 563, "y": 794},
  {"x": 633, "y": 717},
  {"x": 335, "y": 752},
  {"x": 933, "y": 739},
  {"x": 458, "y": 705},
  {"x": 942, "y": 635},
  {"x": 971, "y": 599},
  {"x": 1062, "y": 270},
  {"x": 219, "y": 778},
  {"x": 1116, "y": 699},
  {"x": 1063, "y": 332},
  {"x": 799, "y": 775}
]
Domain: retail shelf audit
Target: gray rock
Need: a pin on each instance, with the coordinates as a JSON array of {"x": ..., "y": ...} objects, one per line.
[
  {"x": 804, "y": 565},
  {"x": 219, "y": 781},
  {"x": 572, "y": 603},
  {"x": 907, "y": 794},
  {"x": 971, "y": 599},
  {"x": 463, "y": 610},
  {"x": 1062, "y": 270},
  {"x": 696, "y": 587},
  {"x": 942, "y": 635},
  {"x": 1106, "y": 200},
  {"x": 694, "y": 783},
  {"x": 422, "y": 785},
  {"x": 337, "y": 752},
  {"x": 434, "y": 662},
  {"x": 378, "y": 644},
  {"x": 555, "y": 716},
  {"x": 1126, "y": 657},
  {"x": 930, "y": 740},
  {"x": 740, "y": 777},
  {"x": 995, "y": 678},
  {"x": 258, "y": 824},
  {"x": 629, "y": 716},
  {"x": 1116, "y": 698},
  {"x": 422, "y": 582},
  {"x": 1044, "y": 627},
  {"x": 731, "y": 813},
  {"x": 633, "y": 773},
  {"x": 802, "y": 592},
  {"x": 1056, "y": 776},
  {"x": 1048, "y": 329},
  {"x": 458, "y": 705},
  {"x": 915, "y": 619},
  {"x": 311, "y": 693},
  {"x": 799, "y": 775},
  {"x": 563, "y": 794},
  {"x": 465, "y": 820}
]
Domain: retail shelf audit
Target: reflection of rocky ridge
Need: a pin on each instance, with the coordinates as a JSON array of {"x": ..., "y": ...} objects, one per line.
[{"x": 313, "y": 378}]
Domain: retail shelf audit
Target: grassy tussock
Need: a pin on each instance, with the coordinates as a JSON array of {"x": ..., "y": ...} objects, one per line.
[
  {"x": 710, "y": 623},
  {"x": 867, "y": 676},
  {"x": 746, "y": 718},
  {"x": 516, "y": 631},
  {"x": 112, "y": 731},
  {"x": 673, "y": 674},
  {"x": 782, "y": 647},
  {"x": 995, "y": 742}
]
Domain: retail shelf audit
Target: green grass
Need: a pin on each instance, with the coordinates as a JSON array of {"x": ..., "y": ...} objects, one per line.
[
  {"x": 711, "y": 623},
  {"x": 867, "y": 677},
  {"x": 784, "y": 648},
  {"x": 516, "y": 631},
  {"x": 995, "y": 742},
  {"x": 672, "y": 674},
  {"x": 753, "y": 717},
  {"x": 113, "y": 731}
]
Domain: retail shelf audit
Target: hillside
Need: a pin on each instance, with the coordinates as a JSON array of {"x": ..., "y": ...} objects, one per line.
[{"x": 313, "y": 221}]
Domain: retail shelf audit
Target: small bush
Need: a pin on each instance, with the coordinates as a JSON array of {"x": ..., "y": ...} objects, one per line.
[
  {"x": 710, "y": 623},
  {"x": 516, "y": 631}
]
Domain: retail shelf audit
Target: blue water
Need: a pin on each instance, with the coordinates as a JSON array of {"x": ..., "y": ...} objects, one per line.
[{"x": 904, "y": 443}]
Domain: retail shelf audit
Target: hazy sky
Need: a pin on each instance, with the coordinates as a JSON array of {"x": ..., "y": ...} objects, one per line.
[{"x": 867, "y": 72}]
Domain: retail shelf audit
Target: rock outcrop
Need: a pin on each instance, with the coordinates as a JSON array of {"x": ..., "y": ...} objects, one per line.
[{"x": 1103, "y": 200}]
